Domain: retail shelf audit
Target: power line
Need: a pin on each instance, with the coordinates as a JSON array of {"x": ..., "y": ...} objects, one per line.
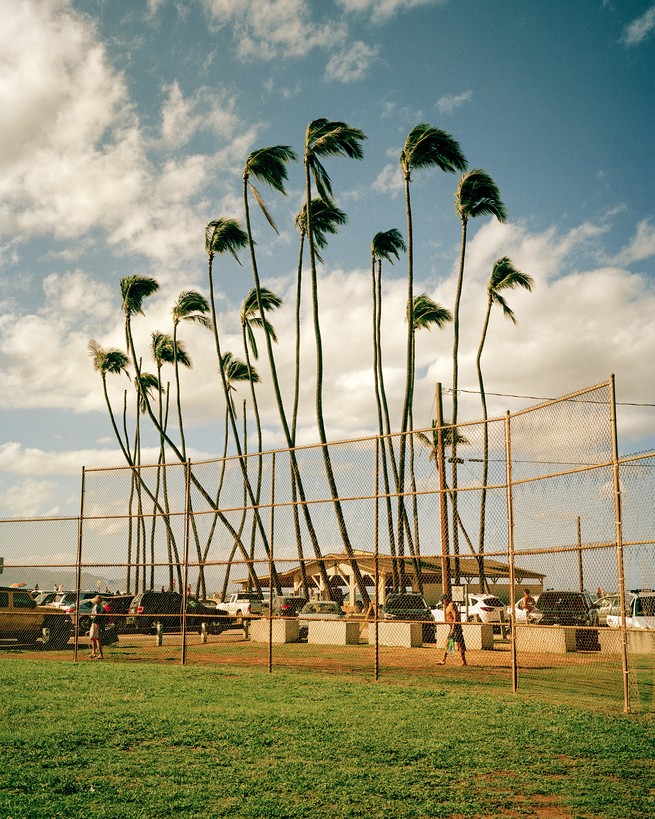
[{"x": 541, "y": 398}]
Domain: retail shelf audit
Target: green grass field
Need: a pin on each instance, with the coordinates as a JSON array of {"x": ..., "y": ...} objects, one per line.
[{"x": 145, "y": 740}]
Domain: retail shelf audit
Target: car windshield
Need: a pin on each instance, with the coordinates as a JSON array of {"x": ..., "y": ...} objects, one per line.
[
  {"x": 645, "y": 606},
  {"x": 565, "y": 601},
  {"x": 321, "y": 607},
  {"x": 491, "y": 601},
  {"x": 405, "y": 602}
]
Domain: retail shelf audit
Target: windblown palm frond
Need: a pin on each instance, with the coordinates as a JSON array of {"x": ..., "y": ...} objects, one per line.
[
  {"x": 107, "y": 359},
  {"x": 225, "y": 235},
  {"x": 134, "y": 289},
  {"x": 191, "y": 306},
  {"x": 478, "y": 195},
  {"x": 387, "y": 244},
  {"x": 427, "y": 312},
  {"x": 427, "y": 146},
  {"x": 504, "y": 276}
]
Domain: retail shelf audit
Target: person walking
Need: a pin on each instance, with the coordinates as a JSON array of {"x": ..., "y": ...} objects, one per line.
[
  {"x": 97, "y": 612},
  {"x": 456, "y": 633}
]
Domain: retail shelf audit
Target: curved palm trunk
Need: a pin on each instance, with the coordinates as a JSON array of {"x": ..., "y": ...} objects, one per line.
[
  {"x": 409, "y": 379},
  {"x": 378, "y": 377},
  {"x": 458, "y": 298},
  {"x": 235, "y": 435},
  {"x": 389, "y": 439},
  {"x": 201, "y": 489},
  {"x": 258, "y": 425},
  {"x": 280, "y": 405},
  {"x": 294, "y": 422},
  {"x": 359, "y": 581},
  {"x": 485, "y": 454}
]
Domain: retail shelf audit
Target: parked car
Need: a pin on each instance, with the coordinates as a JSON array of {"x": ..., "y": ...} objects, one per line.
[
  {"x": 485, "y": 608},
  {"x": 531, "y": 617},
  {"x": 288, "y": 606},
  {"x": 409, "y": 606},
  {"x": 640, "y": 614},
  {"x": 119, "y": 606},
  {"x": 567, "y": 608},
  {"x": 66, "y": 599},
  {"x": 151, "y": 607},
  {"x": 317, "y": 610},
  {"x": 609, "y": 604},
  {"x": 45, "y": 598},
  {"x": 23, "y": 621}
]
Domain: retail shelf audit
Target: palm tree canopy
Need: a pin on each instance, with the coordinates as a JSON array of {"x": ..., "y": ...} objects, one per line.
[
  {"x": 504, "y": 276},
  {"x": 145, "y": 384},
  {"x": 269, "y": 165},
  {"x": 388, "y": 243},
  {"x": 134, "y": 289},
  {"x": 250, "y": 306},
  {"x": 325, "y": 137},
  {"x": 428, "y": 146},
  {"x": 478, "y": 195},
  {"x": 326, "y": 218},
  {"x": 225, "y": 235},
  {"x": 427, "y": 312},
  {"x": 431, "y": 441},
  {"x": 250, "y": 316},
  {"x": 191, "y": 306},
  {"x": 165, "y": 350},
  {"x": 237, "y": 370},
  {"x": 107, "y": 359}
]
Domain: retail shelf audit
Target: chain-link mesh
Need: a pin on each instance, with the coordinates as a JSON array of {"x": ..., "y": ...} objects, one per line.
[{"x": 336, "y": 558}]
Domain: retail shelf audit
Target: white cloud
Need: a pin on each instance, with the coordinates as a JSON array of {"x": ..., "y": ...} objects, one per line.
[
  {"x": 382, "y": 10},
  {"x": 451, "y": 102},
  {"x": 642, "y": 245},
  {"x": 351, "y": 64},
  {"x": 205, "y": 110},
  {"x": 71, "y": 156},
  {"x": 266, "y": 29},
  {"x": 640, "y": 28},
  {"x": 389, "y": 180}
]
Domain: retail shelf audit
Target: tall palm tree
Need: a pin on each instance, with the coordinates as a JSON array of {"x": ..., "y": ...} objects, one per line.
[
  {"x": 326, "y": 219},
  {"x": 251, "y": 319},
  {"x": 145, "y": 384},
  {"x": 225, "y": 235},
  {"x": 504, "y": 276},
  {"x": 425, "y": 315},
  {"x": 325, "y": 138},
  {"x": 134, "y": 290},
  {"x": 386, "y": 245},
  {"x": 165, "y": 350},
  {"x": 425, "y": 147},
  {"x": 109, "y": 361},
  {"x": 268, "y": 165},
  {"x": 477, "y": 195},
  {"x": 193, "y": 307}
]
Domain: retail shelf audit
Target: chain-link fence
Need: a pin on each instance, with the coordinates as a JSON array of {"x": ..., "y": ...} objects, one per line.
[{"x": 336, "y": 558}]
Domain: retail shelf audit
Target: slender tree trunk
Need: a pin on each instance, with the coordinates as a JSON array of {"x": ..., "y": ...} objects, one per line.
[
  {"x": 280, "y": 405},
  {"x": 379, "y": 397},
  {"x": 359, "y": 580},
  {"x": 485, "y": 454},
  {"x": 458, "y": 298},
  {"x": 235, "y": 432}
]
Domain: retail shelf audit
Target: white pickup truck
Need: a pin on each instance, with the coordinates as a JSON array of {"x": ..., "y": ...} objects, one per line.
[{"x": 244, "y": 604}]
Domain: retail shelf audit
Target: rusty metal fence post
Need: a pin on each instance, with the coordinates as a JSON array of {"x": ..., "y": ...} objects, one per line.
[
  {"x": 510, "y": 549},
  {"x": 618, "y": 517}
]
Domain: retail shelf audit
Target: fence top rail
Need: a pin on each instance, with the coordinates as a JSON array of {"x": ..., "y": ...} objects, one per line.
[{"x": 572, "y": 396}]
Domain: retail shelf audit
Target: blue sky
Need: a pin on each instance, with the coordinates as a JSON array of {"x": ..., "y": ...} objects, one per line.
[{"x": 125, "y": 128}]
